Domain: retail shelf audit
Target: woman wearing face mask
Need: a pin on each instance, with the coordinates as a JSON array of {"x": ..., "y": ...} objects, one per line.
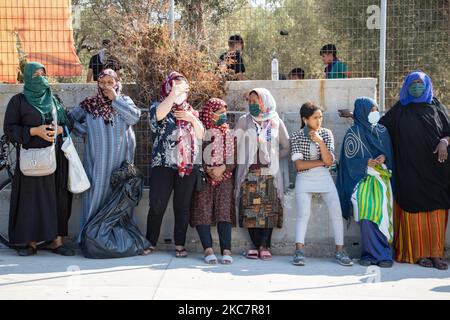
[
  {"x": 215, "y": 205},
  {"x": 262, "y": 141},
  {"x": 40, "y": 207},
  {"x": 312, "y": 150},
  {"x": 175, "y": 127},
  {"x": 363, "y": 182},
  {"x": 105, "y": 122},
  {"x": 419, "y": 126}
]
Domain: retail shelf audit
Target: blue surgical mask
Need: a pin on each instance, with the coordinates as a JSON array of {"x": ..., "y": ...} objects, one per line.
[
  {"x": 417, "y": 89},
  {"x": 254, "y": 110},
  {"x": 222, "y": 119},
  {"x": 374, "y": 117}
]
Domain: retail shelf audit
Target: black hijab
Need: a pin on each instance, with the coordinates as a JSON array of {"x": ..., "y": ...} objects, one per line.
[{"x": 422, "y": 183}]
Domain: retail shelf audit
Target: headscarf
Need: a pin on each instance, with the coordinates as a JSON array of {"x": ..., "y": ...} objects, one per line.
[
  {"x": 269, "y": 119},
  {"x": 38, "y": 93},
  {"x": 186, "y": 140},
  {"x": 100, "y": 106},
  {"x": 427, "y": 96},
  {"x": 361, "y": 143},
  {"x": 221, "y": 148},
  {"x": 267, "y": 101}
]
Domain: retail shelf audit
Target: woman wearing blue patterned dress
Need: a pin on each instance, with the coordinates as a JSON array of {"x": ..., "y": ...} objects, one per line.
[
  {"x": 364, "y": 185},
  {"x": 105, "y": 122}
]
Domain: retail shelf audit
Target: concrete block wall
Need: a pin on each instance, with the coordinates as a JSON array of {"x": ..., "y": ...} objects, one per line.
[{"x": 290, "y": 95}]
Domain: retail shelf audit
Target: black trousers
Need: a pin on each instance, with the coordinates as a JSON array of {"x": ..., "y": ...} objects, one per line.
[
  {"x": 162, "y": 182},
  {"x": 261, "y": 237},
  {"x": 224, "y": 230}
]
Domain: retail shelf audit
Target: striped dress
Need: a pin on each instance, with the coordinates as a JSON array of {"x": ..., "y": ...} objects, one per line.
[
  {"x": 419, "y": 235},
  {"x": 373, "y": 200},
  {"x": 373, "y": 208},
  {"x": 106, "y": 147}
]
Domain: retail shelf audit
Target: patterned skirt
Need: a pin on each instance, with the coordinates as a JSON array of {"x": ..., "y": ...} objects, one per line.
[
  {"x": 419, "y": 235},
  {"x": 259, "y": 205},
  {"x": 214, "y": 205}
]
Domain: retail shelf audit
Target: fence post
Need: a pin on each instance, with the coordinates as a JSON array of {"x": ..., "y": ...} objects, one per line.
[
  {"x": 383, "y": 26},
  {"x": 172, "y": 19}
]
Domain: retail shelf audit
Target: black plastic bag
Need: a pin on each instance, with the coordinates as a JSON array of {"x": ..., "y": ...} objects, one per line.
[{"x": 112, "y": 232}]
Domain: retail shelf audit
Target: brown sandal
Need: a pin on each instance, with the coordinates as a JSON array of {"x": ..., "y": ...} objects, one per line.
[
  {"x": 181, "y": 253},
  {"x": 439, "y": 264},
  {"x": 148, "y": 251},
  {"x": 425, "y": 262}
]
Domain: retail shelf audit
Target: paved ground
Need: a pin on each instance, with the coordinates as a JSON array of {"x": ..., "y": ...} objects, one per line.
[{"x": 162, "y": 276}]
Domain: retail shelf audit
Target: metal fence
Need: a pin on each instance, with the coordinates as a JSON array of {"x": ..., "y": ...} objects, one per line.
[
  {"x": 418, "y": 35},
  {"x": 37, "y": 30}
]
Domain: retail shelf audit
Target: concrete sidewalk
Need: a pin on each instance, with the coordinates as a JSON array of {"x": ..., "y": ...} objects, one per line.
[{"x": 162, "y": 276}]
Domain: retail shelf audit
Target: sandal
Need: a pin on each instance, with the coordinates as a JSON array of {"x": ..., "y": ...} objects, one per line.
[
  {"x": 27, "y": 251},
  {"x": 439, "y": 264},
  {"x": 425, "y": 262},
  {"x": 63, "y": 250},
  {"x": 227, "y": 259},
  {"x": 252, "y": 254},
  {"x": 211, "y": 259},
  {"x": 265, "y": 255},
  {"x": 181, "y": 253},
  {"x": 147, "y": 251}
]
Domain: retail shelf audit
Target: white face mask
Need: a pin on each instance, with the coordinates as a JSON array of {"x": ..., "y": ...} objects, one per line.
[
  {"x": 374, "y": 117},
  {"x": 181, "y": 98}
]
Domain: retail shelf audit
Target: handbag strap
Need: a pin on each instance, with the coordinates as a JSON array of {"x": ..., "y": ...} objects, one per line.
[
  {"x": 68, "y": 133},
  {"x": 55, "y": 120}
]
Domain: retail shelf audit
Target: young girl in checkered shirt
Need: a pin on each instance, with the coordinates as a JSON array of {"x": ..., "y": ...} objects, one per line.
[{"x": 312, "y": 150}]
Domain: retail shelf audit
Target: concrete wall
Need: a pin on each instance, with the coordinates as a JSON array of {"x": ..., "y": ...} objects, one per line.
[{"x": 331, "y": 94}]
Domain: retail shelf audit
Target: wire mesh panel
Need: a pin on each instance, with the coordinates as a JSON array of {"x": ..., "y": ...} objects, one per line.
[
  {"x": 37, "y": 30},
  {"x": 294, "y": 31}
]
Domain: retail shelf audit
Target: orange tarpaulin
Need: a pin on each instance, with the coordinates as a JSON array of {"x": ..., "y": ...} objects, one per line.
[{"x": 44, "y": 30}]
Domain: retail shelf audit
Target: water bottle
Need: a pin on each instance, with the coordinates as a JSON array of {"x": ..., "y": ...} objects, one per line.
[{"x": 275, "y": 75}]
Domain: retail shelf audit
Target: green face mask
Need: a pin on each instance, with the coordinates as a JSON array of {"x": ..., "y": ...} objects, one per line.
[
  {"x": 222, "y": 119},
  {"x": 254, "y": 110},
  {"x": 39, "y": 83},
  {"x": 416, "y": 89}
]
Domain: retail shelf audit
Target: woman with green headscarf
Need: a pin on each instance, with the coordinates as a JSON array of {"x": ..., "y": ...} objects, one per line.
[{"x": 40, "y": 207}]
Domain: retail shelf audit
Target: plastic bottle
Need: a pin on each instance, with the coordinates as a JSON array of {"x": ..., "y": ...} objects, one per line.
[{"x": 275, "y": 75}]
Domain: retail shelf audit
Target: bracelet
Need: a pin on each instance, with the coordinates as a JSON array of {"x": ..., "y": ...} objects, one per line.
[{"x": 445, "y": 141}]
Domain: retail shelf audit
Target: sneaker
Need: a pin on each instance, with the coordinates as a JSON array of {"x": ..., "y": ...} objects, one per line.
[
  {"x": 299, "y": 258},
  {"x": 343, "y": 259}
]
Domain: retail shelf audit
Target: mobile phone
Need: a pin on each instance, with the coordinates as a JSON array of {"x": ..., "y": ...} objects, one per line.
[
  {"x": 306, "y": 131},
  {"x": 345, "y": 113}
]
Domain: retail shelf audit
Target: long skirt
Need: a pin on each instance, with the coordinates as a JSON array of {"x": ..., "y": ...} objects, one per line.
[
  {"x": 374, "y": 244},
  {"x": 40, "y": 207},
  {"x": 419, "y": 235},
  {"x": 259, "y": 205}
]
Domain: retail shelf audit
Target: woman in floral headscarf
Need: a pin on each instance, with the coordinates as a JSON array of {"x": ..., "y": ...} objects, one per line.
[
  {"x": 105, "y": 121},
  {"x": 259, "y": 183},
  {"x": 215, "y": 205},
  {"x": 175, "y": 128}
]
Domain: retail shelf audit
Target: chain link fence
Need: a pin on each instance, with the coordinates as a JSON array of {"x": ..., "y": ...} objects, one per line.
[
  {"x": 64, "y": 35},
  {"x": 418, "y": 37}
]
